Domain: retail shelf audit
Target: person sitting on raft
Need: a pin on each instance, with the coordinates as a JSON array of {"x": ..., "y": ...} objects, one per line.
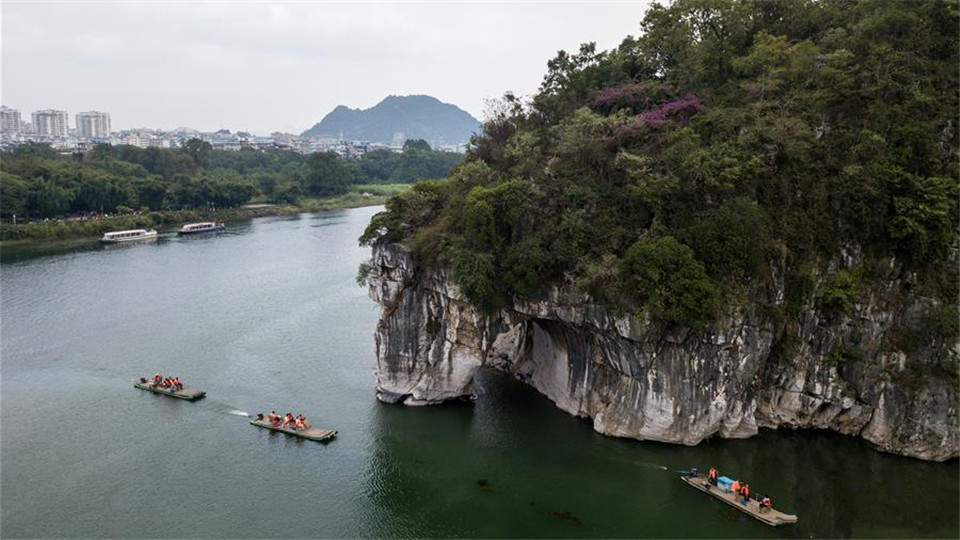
[
  {"x": 303, "y": 421},
  {"x": 288, "y": 420},
  {"x": 156, "y": 379},
  {"x": 765, "y": 504},
  {"x": 298, "y": 423},
  {"x": 177, "y": 383},
  {"x": 272, "y": 417},
  {"x": 712, "y": 476}
]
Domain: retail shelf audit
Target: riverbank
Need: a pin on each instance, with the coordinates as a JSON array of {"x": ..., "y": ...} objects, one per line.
[{"x": 54, "y": 230}]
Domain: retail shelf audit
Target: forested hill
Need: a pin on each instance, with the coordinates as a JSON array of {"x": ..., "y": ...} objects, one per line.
[
  {"x": 417, "y": 117},
  {"x": 729, "y": 142}
]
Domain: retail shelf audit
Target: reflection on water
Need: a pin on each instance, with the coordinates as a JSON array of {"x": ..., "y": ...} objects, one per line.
[{"x": 266, "y": 315}]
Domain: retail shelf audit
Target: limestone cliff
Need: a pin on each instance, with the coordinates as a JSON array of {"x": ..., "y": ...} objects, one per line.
[{"x": 636, "y": 378}]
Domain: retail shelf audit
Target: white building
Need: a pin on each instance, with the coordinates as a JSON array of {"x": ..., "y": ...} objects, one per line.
[
  {"x": 93, "y": 125},
  {"x": 9, "y": 121},
  {"x": 50, "y": 123}
]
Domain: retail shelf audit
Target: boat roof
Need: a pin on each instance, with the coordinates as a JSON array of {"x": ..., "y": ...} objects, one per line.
[
  {"x": 200, "y": 225},
  {"x": 127, "y": 231}
]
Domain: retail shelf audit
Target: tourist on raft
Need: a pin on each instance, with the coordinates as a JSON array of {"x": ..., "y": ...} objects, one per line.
[
  {"x": 168, "y": 383},
  {"x": 287, "y": 421},
  {"x": 765, "y": 504},
  {"x": 712, "y": 476}
]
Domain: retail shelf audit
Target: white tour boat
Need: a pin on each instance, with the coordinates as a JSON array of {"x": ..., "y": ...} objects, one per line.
[
  {"x": 128, "y": 236},
  {"x": 206, "y": 226}
]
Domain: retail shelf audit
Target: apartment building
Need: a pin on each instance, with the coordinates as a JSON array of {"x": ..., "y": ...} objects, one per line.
[
  {"x": 10, "y": 123},
  {"x": 93, "y": 125},
  {"x": 50, "y": 123}
]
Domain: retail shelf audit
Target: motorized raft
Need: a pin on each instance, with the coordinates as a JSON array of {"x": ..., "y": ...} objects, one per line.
[
  {"x": 722, "y": 491},
  {"x": 183, "y": 393},
  {"x": 312, "y": 433}
]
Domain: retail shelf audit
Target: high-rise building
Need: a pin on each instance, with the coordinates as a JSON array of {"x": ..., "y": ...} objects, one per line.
[
  {"x": 93, "y": 125},
  {"x": 50, "y": 123},
  {"x": 9, "y": 121}
]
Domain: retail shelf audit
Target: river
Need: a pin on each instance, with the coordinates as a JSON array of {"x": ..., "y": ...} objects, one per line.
[{"x": 267, "y": 315}]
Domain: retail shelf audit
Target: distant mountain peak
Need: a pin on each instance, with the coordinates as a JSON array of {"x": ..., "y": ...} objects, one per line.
[{"x": 415, "y": 116}]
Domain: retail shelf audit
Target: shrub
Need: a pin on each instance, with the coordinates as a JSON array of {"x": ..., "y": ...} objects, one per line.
[
  {"x": 840, "y": 292},
  {"x": 732, "y": 239},
  {"x": 841, "y": 354},
  {"x": 664, "y": 274},
  {"x": 924, "y": 217},
  {"x": 525, "y": 262},
  {"x": 475, "y": 274},
  {"x": 363, "y": 272}
]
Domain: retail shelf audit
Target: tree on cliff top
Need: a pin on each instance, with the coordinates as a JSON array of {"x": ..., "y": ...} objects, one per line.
[{"x": 737, "y": 130}]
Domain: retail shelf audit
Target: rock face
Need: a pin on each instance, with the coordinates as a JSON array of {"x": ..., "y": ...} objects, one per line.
[{"x": 636, "y": 378}]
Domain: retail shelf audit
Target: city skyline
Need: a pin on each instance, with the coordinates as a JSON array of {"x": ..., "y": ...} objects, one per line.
[
  {"x": 51, "y": 126},
  {"x": 281, "y": 67},
  {"x": 102, "y": 119}
]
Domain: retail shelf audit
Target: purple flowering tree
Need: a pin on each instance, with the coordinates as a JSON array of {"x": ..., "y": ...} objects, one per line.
[{"x": 678, "y": 111}]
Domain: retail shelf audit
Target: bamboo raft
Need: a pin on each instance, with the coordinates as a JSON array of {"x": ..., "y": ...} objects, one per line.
[
  {"x": 770, "y": 517},
  {"x": 314, "y": 434},
  {"x": 185, "y": 393}
]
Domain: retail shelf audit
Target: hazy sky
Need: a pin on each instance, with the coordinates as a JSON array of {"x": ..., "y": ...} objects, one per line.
[{"x": 270, "y": 66}]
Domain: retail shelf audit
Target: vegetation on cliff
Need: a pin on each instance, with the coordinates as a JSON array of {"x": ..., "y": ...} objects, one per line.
[{"x": 669, "y": 171}]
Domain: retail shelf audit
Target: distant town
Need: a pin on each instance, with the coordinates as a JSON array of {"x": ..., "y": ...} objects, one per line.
[{"x": 91, "y": 128}]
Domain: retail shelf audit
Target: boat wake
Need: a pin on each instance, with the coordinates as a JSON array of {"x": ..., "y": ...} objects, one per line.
[
  {"x": 653, "y": 466},
  {"x": 237, "y": 413}
]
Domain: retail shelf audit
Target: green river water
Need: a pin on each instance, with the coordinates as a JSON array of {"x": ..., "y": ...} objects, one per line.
[{"x": 267, "y": 315}]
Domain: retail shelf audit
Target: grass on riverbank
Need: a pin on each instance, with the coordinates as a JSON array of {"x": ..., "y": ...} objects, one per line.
[{"x": 359, "y": 195}]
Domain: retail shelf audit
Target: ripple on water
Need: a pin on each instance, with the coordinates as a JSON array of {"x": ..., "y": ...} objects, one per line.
[{"x": 267, "y": 316}]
